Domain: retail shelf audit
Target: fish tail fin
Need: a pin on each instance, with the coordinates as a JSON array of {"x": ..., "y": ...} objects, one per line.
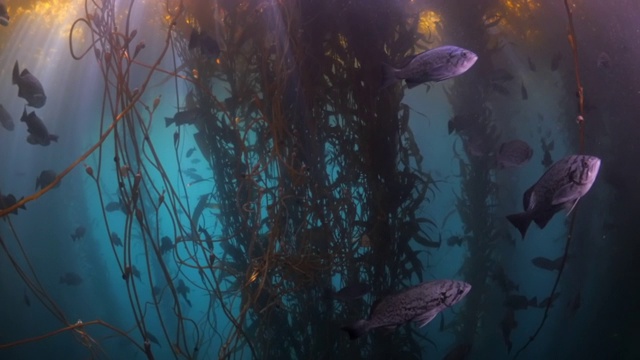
[
  {"x": 16, "y": 74},
  {"x": 24, "y": 114},
  {"x": 451, "y": 127},
  {"x": 200, "y": 229},
  {"x": 356, "y": 330},
  {"x": 388, "y": 76},
  {"x": 168, "y": 121},
  {"x": 23, "y": 207},
  {"x": 520, "y": 221}
]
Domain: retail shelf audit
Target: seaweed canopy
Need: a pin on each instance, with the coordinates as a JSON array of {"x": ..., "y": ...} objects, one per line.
[{"x": 315, "y": 172}]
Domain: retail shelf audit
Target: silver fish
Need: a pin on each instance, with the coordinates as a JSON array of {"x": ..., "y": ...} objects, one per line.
[
  {"x": 513, "y": 154},
  {"x": 5, "y": 119},
  {"x": 437, "y": 64},
  {"x": 560, "y": 187},
  {"x": 29, "y": 87},
  {"x": 420, "y": 303}
]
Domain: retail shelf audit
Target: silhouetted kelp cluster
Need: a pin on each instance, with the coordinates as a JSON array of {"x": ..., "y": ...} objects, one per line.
[{"x": 316, "y": 178}]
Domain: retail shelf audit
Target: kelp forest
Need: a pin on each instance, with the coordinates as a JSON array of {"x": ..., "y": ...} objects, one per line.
[{"x": 313, "y": 177}]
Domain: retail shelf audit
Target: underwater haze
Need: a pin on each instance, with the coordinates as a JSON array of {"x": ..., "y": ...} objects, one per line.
[{"x": 306, "y": 179}]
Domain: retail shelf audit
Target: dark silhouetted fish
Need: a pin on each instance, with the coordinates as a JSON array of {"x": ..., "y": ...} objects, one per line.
[
  {"x": 555, "y": 61},
  {"x": 208, "y": 46},
  {"x": 546, "y": 150},
  {"x": 532, "y": 65},
  {"x": 4, "y": 15},
  {"x": 420, "y": 304},
  {"x": 546, "y": 264},
  {"x": 114, "y": 206},
  {"x": 29, "y": 87},
  {"x": 523, "y": 91},
  {"x": 115, "y": 239},
  {"x": 507, "y": 325},
  {"x": 7, "y": 201},
  {"x": 46, "y": 178},
  {"x": 38, "y": 133},
  {"x": 190, "y": 152},
  {"x": 135, "y": 272},
  {"x": 153, "y": 339},
  {"x": 437, "y": 64},
  {"x": 207, "y": 237},
  {"x": 183, "y": 290},
  {"x": 560, "y": 187},
  {"x": 5, "y": 119},
  {"x": 549, "y": 300},
  {"x": 186, "y": 117},
  {"x": 166, "y": 245},
  {"x": 79, "y": 233},
  {"x": 352, "y": 292},
  {"x": 71, "y": 279},
  {"x": 513, "y": 153}
]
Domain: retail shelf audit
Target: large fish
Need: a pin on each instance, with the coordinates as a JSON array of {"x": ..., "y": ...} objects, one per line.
[
  {"x": 29, "y": 87},
  {"x": 71, "y": 278},
  {"x": 437, "y": 64},
  {"x": 38, "y": 133},
  {"x": 513, "y": 154},
  {"x": 186, "y": 117},
  {"x": 420, "y": 303},
  {"x": 7, "y": 201},
  {"x": 5, "y": 119},
  {"x": 45, "y": 178},
  {"x": 560, "y": 187}
]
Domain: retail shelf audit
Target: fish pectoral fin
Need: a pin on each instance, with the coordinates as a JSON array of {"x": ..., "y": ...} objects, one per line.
[
  {"x": 564, "y": 194},
  {"x": 571, "y": 205},
  {"x": 425, "y": 318}
]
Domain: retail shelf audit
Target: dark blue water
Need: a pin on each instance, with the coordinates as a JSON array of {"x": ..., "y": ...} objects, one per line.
[{"x": 256, "y": 139}]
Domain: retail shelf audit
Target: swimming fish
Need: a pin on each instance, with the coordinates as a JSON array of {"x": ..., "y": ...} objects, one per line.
[
  {"x": 513, "y": 154},
  {"x": 183, "y": 290},
  {"x": 78, "y": 233},
  {"x": 115, "y": 239},
  {"x": 561, "y": 186},
  {"x": 186, "y": 117},
  {"x": 208, "y": 46},
  {"x": 7, "y": 201},
  {"x": 38, "y": 133},
  {"x": 29, "y": 87},
  {"x": 5, "y": 119},
  {"x": 190, "y": 152},
  {"x": 165, "y": 245},
  {"x": 71, "y": 278},
  {"x": 46, "y": 177},
  {"x": 437, "y": 64},
  {"x": 420, "y": 304}
]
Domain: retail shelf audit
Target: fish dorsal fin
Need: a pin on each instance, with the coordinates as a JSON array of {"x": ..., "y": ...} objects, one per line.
[
  {"x": 564, "y": 194},
  {"x": 570, "y": 205},
  {"x": 24, "y": 72},
  {"x": 424, "y": 319}
]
